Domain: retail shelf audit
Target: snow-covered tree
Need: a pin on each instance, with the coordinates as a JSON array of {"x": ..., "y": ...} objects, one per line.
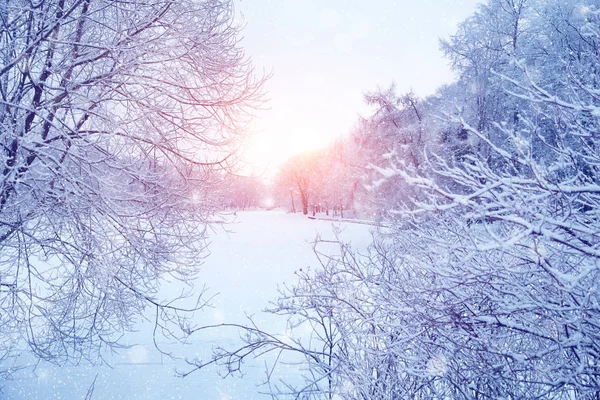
[
  {"x": 401, "y": 126},
  {"x": 485, "y": 284},
  {"x": 112, "y": 116},
  {"x": 300, "y": 176},
  {"x": 321, "y": 180},
  {"x": 242, "y": 192},
  {"x": 340, "y": 178},
  {"x": 498, "y": 261},
  {"x": 486, "y": 42}
]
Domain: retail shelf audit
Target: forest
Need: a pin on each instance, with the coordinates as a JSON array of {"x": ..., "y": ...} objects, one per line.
[
  {"x": 120, "y": 148},
  {"x": 484, "y": 282}
]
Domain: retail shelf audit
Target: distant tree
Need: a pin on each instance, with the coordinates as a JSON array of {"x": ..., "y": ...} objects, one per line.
[
  {"x": 113, "y": 116},
  {"x": 324, "y": 179},
  {"x": 300, "y": 174},
  {"x": 340, "y": 177},
  {"x": 242, "y": 192},
  {"x": 399, "y": 130}
]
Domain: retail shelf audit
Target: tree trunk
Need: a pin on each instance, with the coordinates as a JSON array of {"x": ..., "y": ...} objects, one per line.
[
  {"x": 293, "y": 205},
  {"x": 304, "y": 197}
]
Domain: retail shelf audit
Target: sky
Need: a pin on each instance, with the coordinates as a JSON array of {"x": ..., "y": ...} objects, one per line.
[{"x": 325, "y": 55}]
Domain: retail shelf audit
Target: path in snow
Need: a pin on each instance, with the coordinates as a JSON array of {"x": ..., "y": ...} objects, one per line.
[{"x": 262, "y": 250}]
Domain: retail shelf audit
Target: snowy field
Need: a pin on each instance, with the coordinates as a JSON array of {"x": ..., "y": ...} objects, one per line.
[{"x": 257, "y": 252}]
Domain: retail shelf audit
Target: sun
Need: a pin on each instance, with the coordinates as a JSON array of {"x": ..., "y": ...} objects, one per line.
[{"x": 269, "y": 149}]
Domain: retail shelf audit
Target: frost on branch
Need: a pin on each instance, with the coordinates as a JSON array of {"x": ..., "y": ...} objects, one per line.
[
  {"x": 114, "y": 118},
  {"x": 486, "y": 284}
]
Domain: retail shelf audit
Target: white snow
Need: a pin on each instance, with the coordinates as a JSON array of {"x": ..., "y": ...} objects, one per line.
[{"x": 261, "y": 250}]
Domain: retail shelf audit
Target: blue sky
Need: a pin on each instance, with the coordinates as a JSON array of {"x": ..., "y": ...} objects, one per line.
[{"x": 326, "y": 54}]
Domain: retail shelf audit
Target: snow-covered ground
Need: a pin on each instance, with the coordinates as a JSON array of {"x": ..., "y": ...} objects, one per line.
[{"x": 259, "y": 251}]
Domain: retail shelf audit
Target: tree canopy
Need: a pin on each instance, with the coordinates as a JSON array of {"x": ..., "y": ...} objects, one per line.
[{"x": 114, "y": 117}]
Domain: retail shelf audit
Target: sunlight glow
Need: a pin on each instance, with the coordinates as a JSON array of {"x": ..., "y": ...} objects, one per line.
[
  {"x": 270, "y": 149},
  {"x": 269, "y": 202},
  {"x": 325, "y": 55}
]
